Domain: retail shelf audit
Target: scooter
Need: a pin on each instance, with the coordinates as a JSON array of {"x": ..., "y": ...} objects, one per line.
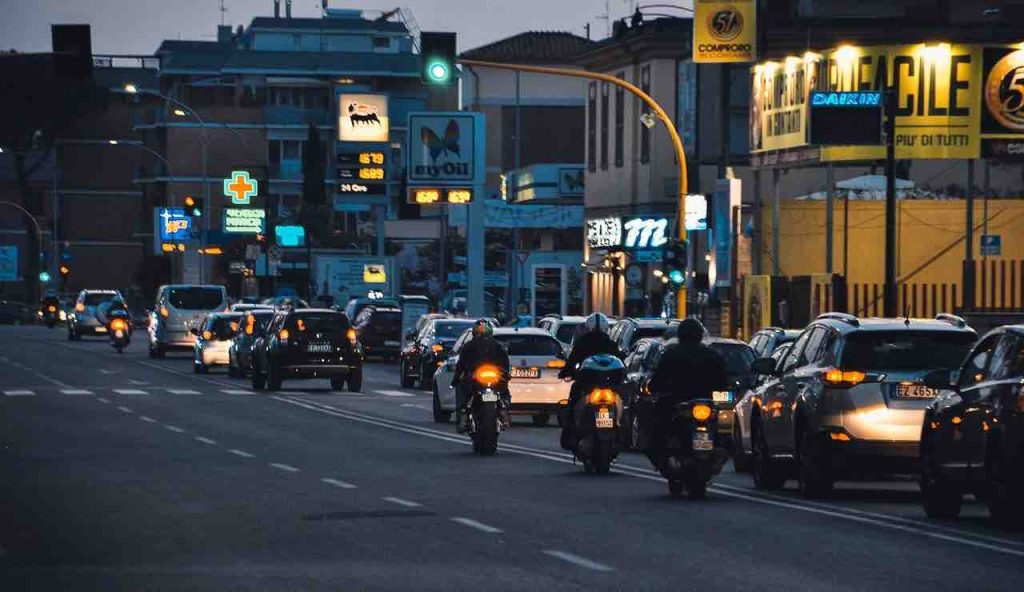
[
  {"x": 690, "y": 455},
  {"x": 488, "y": 408},
  {"x": 594, "y": 434},
  {"x": 50, "y": 315},
  {"x": 119, "y": 329}
]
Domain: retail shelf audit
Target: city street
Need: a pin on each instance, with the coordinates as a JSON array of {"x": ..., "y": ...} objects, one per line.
[{"x": 119, "y": 472}]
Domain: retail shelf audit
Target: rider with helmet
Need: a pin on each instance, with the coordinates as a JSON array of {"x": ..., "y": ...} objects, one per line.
[
  {"x": 482, "y": 349},
  {"x": 592, "y": 339}
]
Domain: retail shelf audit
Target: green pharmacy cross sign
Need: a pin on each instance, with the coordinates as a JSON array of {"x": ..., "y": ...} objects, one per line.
[{"x": 240, "y": 188}]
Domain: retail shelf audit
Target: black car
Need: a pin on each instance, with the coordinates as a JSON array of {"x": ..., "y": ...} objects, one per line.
[
  {"x": 972, "y": 440},
  {"x": 308, "y": 343},
  {"x": 767, "y": 340},
  {"x": 428, "y": 349},
  {"x": 380, "y": 330},
  {"x": 627, "y": 332}
]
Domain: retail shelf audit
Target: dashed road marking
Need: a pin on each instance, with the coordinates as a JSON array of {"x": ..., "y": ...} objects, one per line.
[
  {"x": 183, "y": 392},
  {"x": 285, "y": 467},
  {"x": 241, "y": 453},
  {"x": 147, "y": 419},
  {"x": 19, "y": 393},
  {"x": 138, "y": 382},
  {"x": 577, "y": 560},
  {"x": 75, "y": 392},
  {"x": 414, "y": 406},
  {"x": 103, "y": 400},
  {"x": 236, "y": 392},
  {"x": 174, "y": 428},
  {"x": 476, "y": 525},
  {"x": 338, "y": 483},
  {"x": 401, "y": 502},
  {"x": 394, "y": 394},
  {"x": 130, "y": 392},
  {"x": 294, "y": 393},
  {"x": 125, "y": 409},
  {"x": 209, "y": 441}
]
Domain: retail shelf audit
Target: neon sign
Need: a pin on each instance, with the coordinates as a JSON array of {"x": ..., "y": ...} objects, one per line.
[{"x": 240, "y": 188}]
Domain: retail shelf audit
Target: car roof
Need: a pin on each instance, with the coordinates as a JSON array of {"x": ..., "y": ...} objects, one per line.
[
  {"x": 654, "y": 323},
  {"x": 447, "y": 319},
  {"x": 568, "y": 319},
  {"x": 851, "y": 324},
  {"x": 91, "y": 291},
  {"x": 226, "y": 315},
  {"x": 384, "y": 308},
  {"x": 521, "y": 331},
  {"x": 724, "y": 340},
  {"x": 315, "y": 311}
]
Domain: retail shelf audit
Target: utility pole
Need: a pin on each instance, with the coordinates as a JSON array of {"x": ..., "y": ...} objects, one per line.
[{"x": 890, "y": 302}]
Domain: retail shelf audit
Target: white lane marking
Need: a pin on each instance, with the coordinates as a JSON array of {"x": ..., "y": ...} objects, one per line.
[
  {"x": 394, "y": 394},
  {"x": 138, "y": 382},
  {"x": 174, "y": 428},
  {"x": 75, "y": 392},
  {"x": 414, "y": 406},
  {"x": 577, "y": 560},
  {"x": 294, "y": 393},
  {"x": 147, "y": 419},
  {"x": 477, "y": 525},
  {"x": 183, "y": 392},
  {"x": 236, "y": 392},
  {"x": 209, "y": 441},
  {"x": 19, "y": 393},
  {"x": 241, "y": 453},
  {"x": 105, "y": 371},
  {"x": 284, "y": 467},
  {"x": 401, "y": 502},
  {"x": 338, "y": 483},
  {"x": 125, "y": 409},
  {"x": 130, "y": 392},
  {"x": 103, "y": 400},
  {"x": 884, "y": 521}
]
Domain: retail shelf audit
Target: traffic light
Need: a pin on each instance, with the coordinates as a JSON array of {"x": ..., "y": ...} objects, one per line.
[
  {"x": 65, "y": 271},
  {"x": 673, "y": 261},
  {"x": 194, "y": 206},
  {"x": 438, "y": 53}
]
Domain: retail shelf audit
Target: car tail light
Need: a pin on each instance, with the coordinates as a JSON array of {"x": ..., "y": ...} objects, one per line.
[
  {"x": 556, "y": 364},
  {"x": 51, "y": 308},
  {"x": 81, "y": 307},
  {"x": 701, "y": 412},
  {"x": 437, "y": 348},
  {"x": 164, "y": 312},
  {"x": 487, "y": 375},
  {"x": 843, "y": 378},
  {"x": 351, "y": 334},
  {"x": 601, "y": 396},
  {"x": 250, "y": 324},
  {"x": 283, "y": 336}
]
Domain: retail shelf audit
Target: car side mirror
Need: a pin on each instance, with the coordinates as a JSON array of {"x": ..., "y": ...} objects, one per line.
[
  {"x": 764, "y": 366},
  {"x": 940, "y": 379}
]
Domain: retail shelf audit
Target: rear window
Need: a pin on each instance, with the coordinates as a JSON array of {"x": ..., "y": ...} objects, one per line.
[
  {"x": 645, "y": 332},
  {"x": 196, "y": 298},
  {"x": 319, "y": 322},
  {"x": 386, "y": 316},
  {"x": 738, "y": 358},
  {"x": 260, "y": 321},
  {"x": 225, "y": 327},
  {"x": 450, "y": 329},
  {"x": 530, "y": 345},
  {"x": 905, "y": 350},
  {"x": 96, "y": 298},
  {"x": 565, "y": 332}
]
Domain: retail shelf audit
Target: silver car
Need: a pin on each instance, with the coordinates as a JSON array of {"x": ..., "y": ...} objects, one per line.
[
  {"x": 179, "y": 308},
  {"x": 88, "y": 316},
  {"x": 741, "y": 413}
]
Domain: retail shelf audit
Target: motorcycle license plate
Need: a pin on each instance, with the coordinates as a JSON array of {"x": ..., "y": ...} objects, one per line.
[
  {"x": 604, "y": 419},
  {"x": 703, "y": 441},
  {"x": 489, "y": 398}
]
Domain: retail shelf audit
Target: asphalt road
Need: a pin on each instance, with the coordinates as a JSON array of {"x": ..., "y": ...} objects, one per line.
[{"x": 118, "y": 472}]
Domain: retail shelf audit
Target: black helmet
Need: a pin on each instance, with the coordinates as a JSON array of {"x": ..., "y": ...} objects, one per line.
[
  {"x": 690, "y": 330},
  {"x": 601, "y": 370}
]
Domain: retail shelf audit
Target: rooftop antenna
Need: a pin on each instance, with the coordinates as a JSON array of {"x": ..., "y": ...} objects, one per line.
[
  {"x": 222, "y": 11},
  {"x": 607, "y": 18}
]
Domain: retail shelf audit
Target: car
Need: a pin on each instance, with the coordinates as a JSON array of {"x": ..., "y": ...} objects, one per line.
[
  {"x": 379, "y": 328},
  {"x": 419, "y": 360},
  {"x": 767, "y": 340},
  {"x": 562, "y": 328},
  {"x": 247, "y": 306},
  {"x": 87, "y": 316},
  {"x": 422, "y": 321},
  {"x": 213, "y": 338},
  {"x": 308, "y": 343},
  {"x": 285, "y": 302},
  {"x": 628, "y": 331},
  {"x": 972, "y": 437},
  {"x": 850, "y": 399},
  {"x": 254, "y": 323},
  {"x": 536, "y": 358},
  {"x": 357, "y": 304},
  {"x": 179, "y": 308},
  {"x": 640, "y": 364},
  {"x": 741, "y": 412}
]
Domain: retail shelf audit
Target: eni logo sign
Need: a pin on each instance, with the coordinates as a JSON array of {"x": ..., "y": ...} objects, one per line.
[{"x": 240, "y": 188}]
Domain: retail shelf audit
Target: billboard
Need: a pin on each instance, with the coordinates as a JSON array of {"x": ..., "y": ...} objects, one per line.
[
  {"x": 778, "y": 104},
  {"x": 172, "y": 225},
  {"x": 1002, "y": 118},
  {"x": 444, "y": 148},
  {"x": 8, "y": 263},
  {"x": 724, "y": 31},
  {"x": 363, "y": 118}
]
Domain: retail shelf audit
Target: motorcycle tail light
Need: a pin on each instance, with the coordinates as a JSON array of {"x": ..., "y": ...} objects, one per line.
[
  {"x": 701, "y": 412},
  {"x": 118, "y": 325},
  {"x": 51, "y": 308},
  {"x": 487, "y": 375},
  {"x": 556, "y": 364},
  {"x": 601, "y": 396},
  {"x": 81, "y": 307}
]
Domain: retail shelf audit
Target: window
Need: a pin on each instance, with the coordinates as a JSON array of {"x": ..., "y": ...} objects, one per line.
[
  {"x": 976, "y": 367},
  {"x": 604, "y": 126},
  {"x": 449, "y": 329},
  {"x": 381, "y": 42},
  {"x": 796, "y": 352},
  {"x": 1007, "y": 359},
  {"x": 905, "y": 350},
  {"x": 653, "y": 356},
  {"x": 530, "y": 345},
  {"x": 196, "y": 298},
  {"x": 592, "y": 127},
  {"x": 645, "y": 133},
  {"x": 757, "y": 344},
  {"x": 565, "y": 332},
  {"x": 637, "y": 357},
  {"x": 290, "y": 150},
  {"x": 737, "y": 357},
  {"x": 620, "y": 122},
  {"x": 812, "y": 353}
]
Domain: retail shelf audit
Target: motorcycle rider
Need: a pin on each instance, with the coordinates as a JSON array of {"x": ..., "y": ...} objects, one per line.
[
  {"x": 482, "y": 349},
  {"x": 591, "y": 340},
  {"x": 50, "y": 299}
]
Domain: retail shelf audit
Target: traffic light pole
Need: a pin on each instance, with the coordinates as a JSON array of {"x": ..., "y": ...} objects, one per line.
[{"x": 677, "y": 142}]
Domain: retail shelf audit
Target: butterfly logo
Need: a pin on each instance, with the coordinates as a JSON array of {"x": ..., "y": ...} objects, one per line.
[
  {"x": 436, "y": 145},
  {"x": 574, "y": 182}
]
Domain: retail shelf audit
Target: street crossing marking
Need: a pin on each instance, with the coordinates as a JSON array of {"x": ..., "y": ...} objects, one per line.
[
  {"x": 401, "y": 502},
  {"x": 338, "y": 483},
  {"x": 235, "y": 392},
  {"x": 19, "y": 393},
  {"x": 394, "y": 394},
  {"x": 130, "y": 392},
  {"x": 75, "y": 392},
  {"x": 183, "y": 392},
  {"x": 414, "y": 406},
  {"x": 284, "y": 467},
  {"x": 577, "y": 560},
  {"x": 476, "y": 525},
  {"x": 294, "y": 393},
  {"x": 241, "y": 453},
  {"x": 103, "y": 400}
]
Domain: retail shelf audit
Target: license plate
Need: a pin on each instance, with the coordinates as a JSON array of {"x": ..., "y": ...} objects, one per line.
[
  {"x": 604, "y": 419},
  {"x": 722, "y": 396},
  {"x": 101, "y": 329},
  {"x": 703, "y": 441},
  {"x": 520, "y": 372},
  {"x": 318, "y": 348},
  {"x": 916, "y": 391},
  {"x": 391, "y": 344},
  {"x": 489, "y": 398}
]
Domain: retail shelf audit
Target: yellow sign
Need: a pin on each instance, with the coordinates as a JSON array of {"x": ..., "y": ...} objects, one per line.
[
  {"x": 724, "y": 31},
  {"x": 374, "y": 273},
  {"x": 778, "y": 105},
  {"x": 757, "y": 304},
  {"x": 371, "y": 158}
]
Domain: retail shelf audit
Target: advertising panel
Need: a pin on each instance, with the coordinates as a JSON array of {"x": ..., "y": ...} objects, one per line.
[
  {"x": 1002, "y": 118},
  {"x": 779, "y": 103},
  {"x": 245, "y": 221},
  {"x": 603, "y": 233},
  {"x": 724, "y": 31},
  {"x": 442, "y": 149},
  {"x": 173, "y": 226},
  {"x": 363, "y": 118},
  {"x": 8, "y": 263},
  {"x": 696, "y": 216},
  {"x": 757, "y": 304}
]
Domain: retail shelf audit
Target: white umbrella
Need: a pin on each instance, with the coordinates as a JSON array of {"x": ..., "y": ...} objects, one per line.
[{"x": 872, "y": 183}]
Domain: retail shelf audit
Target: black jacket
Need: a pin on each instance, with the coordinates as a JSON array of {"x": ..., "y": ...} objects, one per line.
[
  {"x": 589, "y": 344},
  {"x": 480, "y": 350},
  {"x": 688, "y": 371}
]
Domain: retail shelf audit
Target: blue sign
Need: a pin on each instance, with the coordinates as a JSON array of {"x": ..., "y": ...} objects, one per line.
[
  {"x": 846, "y": 99},
  {"x": 290, "y": 236},
  {"x": 174, "y": 225},
  {"x": 991, "y": 245},
  {"x": 8, "y": 263}
]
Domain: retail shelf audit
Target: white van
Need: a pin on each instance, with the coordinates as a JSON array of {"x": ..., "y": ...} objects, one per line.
[{"x": 178, "y": 309}]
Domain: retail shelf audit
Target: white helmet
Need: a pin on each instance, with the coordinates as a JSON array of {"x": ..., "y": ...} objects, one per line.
[{"x": 596, "y": 322}]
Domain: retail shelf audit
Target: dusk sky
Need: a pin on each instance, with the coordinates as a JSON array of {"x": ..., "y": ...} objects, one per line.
[{"x": 138, "y": 26}]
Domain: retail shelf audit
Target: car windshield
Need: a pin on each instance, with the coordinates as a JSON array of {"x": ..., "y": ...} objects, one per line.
[
  {"x": 450, "y": 329},
  {"x": 96, "y": 298},
  {"x": 905, "y": 350},
  {"x": 196, "y": 298},
  {"x": 530, "y": 345},
  {"x": 324, "y": 322},
  {"x": 386, "y": 317},
  {"x": 565, "y": 331},
  {"x": 738, "y": 357}
]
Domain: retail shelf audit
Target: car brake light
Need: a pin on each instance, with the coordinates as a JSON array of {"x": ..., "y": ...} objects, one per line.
[
  {"x": 283, "y": 336},
  {"x": 164, "y": 312},
  {"x": 80, "y": 307},
  {"x": 351, "y": 334},
  {"x": 701, "y": 412},
  {"x": 556, "y": 364},
  {"x": 437, "y": 348},
  {"x": 487, "y": 375},
  {"x": 601, "y": 396},
  {"x": 51, "y": 308},
  {"x": 843, "y": 378}
]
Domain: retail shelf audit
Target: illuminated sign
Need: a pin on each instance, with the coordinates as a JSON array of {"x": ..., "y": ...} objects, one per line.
[
  {"x": 371, "y": 158},
  {"x": 440, "y": 195},
  {"x": 645, "y": 233},
  {"x": 459, "y": 196},
  {"x": 240, "y": 188},
  {"x": 846, "y": 118},
  {"x": 364, "y": 166},
  {"x": 604, "y": 232},
  {"x": 245, "y": 221},
  {"x": 374, "y": 273},
  {"x": 371, "y": 173},
  {"x": 696, "y": 212},
  {"x": 846, "y": 99},
  {"x": 174, "y": 224},
  {"x": 724, "y": 31},
  {"x": 363, "y": 118},
  {"x": 362, "y": 188},
  {"x": 442, "y": 148},
  {"x": 290, "y": 236}
]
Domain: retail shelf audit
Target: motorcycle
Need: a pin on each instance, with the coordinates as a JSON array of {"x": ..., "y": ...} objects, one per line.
[
  {"x": 119, "y": 330},
  {"x": 50, "y": 315},
  {"x": 690, "y": 455},
  {"x": 595, "y": 424},
  {"x": 488, "y": 408}
]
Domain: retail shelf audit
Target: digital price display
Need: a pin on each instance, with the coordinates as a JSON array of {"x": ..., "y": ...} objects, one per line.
[{"x": 436, "y": 195}]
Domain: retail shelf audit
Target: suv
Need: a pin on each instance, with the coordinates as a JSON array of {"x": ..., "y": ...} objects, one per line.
[
  {"x": 972, "y": 439},
  {"x": 627, "y": 332},
  {"x": 850, "y": 399},
  {"x": 767, "y": 340},
  {"x": 308, "y": 343},
  {"x": 561, "y": 328},
  {"x": 428, "y": 350},
  {"x": 88, "y": 315},
  {"x": 180, "y": 308},
  {"x": 379, "y": 329}
]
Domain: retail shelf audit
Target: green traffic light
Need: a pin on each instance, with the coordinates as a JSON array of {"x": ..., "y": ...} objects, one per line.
[
  {"x": 44, "y": 276},
  {"x": 438, "y": 71},
  {"x": 676, "y": 277}
]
